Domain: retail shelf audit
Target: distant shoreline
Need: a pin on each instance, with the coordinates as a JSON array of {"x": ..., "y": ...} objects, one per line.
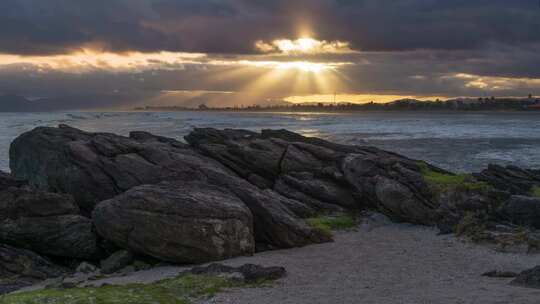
[{"x": 405, "y": 105}]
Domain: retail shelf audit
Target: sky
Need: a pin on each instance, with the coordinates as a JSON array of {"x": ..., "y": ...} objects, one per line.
[{"x": 126, "y": 53}]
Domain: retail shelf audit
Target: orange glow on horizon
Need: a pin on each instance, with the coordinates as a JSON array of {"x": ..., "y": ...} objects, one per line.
[{"x": 355, "y": 98}]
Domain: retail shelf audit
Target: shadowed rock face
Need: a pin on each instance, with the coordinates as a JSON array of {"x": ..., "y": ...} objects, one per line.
[
  {"x": 179, "y": 222},
  {"x": 512, "y": 179},
  {"x": 523, "y": 210},
  {"x": 20, "y": 268},
  {"x": 94, "y": 167},
  {"x": 47, "y": 223},
  {"x": 7, "y": 181}
]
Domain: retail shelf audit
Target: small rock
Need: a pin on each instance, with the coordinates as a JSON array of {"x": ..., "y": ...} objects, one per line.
[
  {"x": 68, "y": 285},
  {"x": 116, "y": 261},
  {"x": 140, "y": 265},
  {"x": 500, "y": 274},
  {"x": 373, "y": 221},
  {"x": 53, "y": 283},
  {"x": 85, "y": 267},
  {"x": 250, "y": 273},
  {"x": 528, "y": 278},
  {"x": 127, "y": 270}
]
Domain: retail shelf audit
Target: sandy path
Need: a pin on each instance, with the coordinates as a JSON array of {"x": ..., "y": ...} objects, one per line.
[{"x": 391, "y": 264}]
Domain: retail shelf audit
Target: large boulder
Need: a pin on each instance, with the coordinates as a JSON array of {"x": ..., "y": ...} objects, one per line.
[
  {"x": 47, "y": 223},
  {"x": 20, "y": 268},
  {"x": 94, "y": 167},
  {"x": 182, "y": 222}
]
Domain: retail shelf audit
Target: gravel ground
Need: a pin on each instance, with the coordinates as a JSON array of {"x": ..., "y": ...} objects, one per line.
[
  {"x": 390, "y": 264},
  {"x": 395, "y": 263}
]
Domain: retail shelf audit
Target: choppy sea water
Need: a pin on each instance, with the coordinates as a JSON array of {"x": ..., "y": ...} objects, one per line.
[{"x": 456, "y": 141}]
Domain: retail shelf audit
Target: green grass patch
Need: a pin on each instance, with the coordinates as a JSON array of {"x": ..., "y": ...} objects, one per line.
[
  {"x": 444, "y": 181},
  {"x": 181, "y": 290},
  {"x": 535, "y": 191},
  {"x": 328, "y": 223}
]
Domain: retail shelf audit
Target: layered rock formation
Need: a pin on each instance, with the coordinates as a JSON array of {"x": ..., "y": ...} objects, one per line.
[
  {"x": 322, "y": 175},
  {"x": 95, "y": 167}
]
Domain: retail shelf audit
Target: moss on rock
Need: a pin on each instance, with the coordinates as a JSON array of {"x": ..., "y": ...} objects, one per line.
[
  {"x": 328, "y": 223},
  {"x": 444, "y": 181},
  {"x": 535, "y": 191}
]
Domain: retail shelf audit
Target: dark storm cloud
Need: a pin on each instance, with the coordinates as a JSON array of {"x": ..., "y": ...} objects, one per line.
[{"x": 232, "y": 26}]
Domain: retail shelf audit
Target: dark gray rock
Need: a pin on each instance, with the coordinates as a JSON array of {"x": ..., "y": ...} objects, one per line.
[
  {"x": 179, "y": 222},
  {"x": 98, "y": 166},
  {"x": 456, "y": 203},
  {"x": 116, "y": 261},
  {"x": 47, "y": 223},
  {"x": 523, "y": 210},
  {"x": 511, "y": 178},
  {"x": 20, "y": 268},
  {"x": 7, "y": 181},
  {"x": 528, "y": 278},
  {"x": 86, "y": 268},
  {"x": 250, "y": 273},
  {"x": 322, "y": 175},
  {"x": 500, "y": 274}
]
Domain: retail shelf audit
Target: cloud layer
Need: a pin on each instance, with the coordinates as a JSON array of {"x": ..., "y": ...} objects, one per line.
[{"x": 145, "y": 47}]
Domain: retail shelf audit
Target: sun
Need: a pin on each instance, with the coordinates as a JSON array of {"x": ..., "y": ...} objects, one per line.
[{"x": 304, "y": 66}]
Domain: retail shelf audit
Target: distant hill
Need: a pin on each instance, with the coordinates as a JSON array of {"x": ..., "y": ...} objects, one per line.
[{"x": 16, "y": 103}]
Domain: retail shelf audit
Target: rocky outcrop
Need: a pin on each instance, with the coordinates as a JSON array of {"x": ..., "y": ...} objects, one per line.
[
  {"x": 178, "y": 222},
  {"x": 20, "y": 268},
  {"x": 47, "y": 223},
  {"x": 322, "y": 175},
  {"x": 512, "y": 179},
  {"x": 94, "y": 167},
  {"x": 228, "y": 190}
]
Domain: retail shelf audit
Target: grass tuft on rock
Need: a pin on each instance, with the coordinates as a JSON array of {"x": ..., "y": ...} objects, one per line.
[
  {"x": 444, "y": 181},
  {"x": 181, "y": 290},
  {"x": 535, "y": 191},
  {"x": 328, "y": 223}
]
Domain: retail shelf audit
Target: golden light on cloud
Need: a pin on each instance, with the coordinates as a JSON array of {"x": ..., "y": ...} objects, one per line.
[
  {"x": 494, "y": 83},
  {"x": 88, "y": 60},
  {"x": 303, "y": 46}
]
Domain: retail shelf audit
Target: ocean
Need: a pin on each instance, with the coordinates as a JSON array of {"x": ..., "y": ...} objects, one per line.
[{"x": 460, "y": 142}]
